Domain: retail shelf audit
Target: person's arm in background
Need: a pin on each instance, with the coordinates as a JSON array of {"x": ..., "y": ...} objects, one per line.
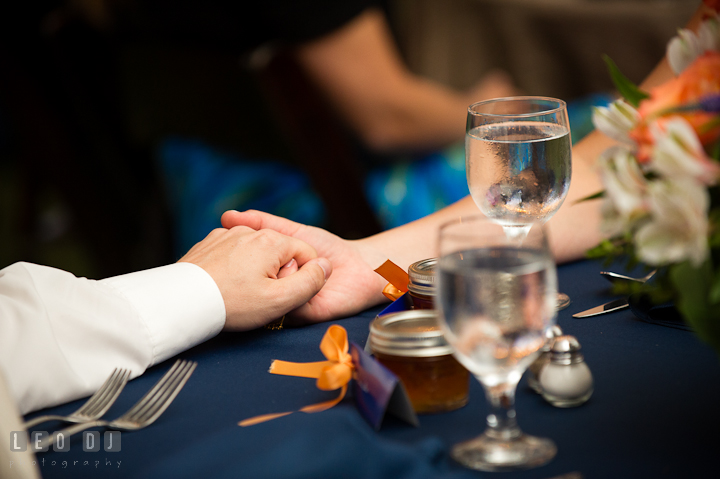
[
  {"x": 359, "y": 68},
  {"x": 61, "y": 336},
  {"x": 355, "y": 286}
]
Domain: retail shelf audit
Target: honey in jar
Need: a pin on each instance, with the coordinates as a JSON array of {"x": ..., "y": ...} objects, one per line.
[
  {"x": 412, "y": 346},
  {"x": 421, "y": 284}
]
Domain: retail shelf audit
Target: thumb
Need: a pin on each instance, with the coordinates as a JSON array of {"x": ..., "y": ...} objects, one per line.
[
  {"x": 298, "y": 288},
  {"x": 258, "y": 220}
]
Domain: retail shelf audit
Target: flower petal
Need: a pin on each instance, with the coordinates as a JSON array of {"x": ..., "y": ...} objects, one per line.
[
  {"x": 624, "y": 181},
  {"x": 677, "y": 152},
  {"x": 683, "y": 49},
  {"x": 677, "y": 230},
  {"x": 616, "y": 120},
  {"x": 709, "y": 34}
]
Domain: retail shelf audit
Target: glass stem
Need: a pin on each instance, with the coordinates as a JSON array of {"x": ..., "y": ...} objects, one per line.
[
  {"x": 516, "y": 234},
  {"x": 501, "y": 421}
]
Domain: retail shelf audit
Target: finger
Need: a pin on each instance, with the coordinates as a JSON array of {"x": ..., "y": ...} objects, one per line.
[
  {"x": 298, "y": 288},
  {"x": 289, "y": 268},
  {"x": 258, "y": 220},
  {"x": 286, "y": 248}
]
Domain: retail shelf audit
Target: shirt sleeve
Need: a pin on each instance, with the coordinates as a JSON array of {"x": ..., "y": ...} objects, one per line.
[{"x": 61, "y": 336}]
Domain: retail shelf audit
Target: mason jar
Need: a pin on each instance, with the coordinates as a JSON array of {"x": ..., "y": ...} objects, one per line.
[
  {"x": 412, "y": 346},
  {"x": 421, "y": 284}
]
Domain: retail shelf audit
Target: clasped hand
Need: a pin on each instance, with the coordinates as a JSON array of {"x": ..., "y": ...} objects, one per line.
[{"x": 261, "y": 274}]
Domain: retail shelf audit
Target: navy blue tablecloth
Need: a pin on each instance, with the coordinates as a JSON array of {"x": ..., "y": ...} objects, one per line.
[{"x": 654, "y": 412}]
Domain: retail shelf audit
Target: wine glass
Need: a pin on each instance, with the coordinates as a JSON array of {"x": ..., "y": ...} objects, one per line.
[
  {"x": 518, "y": 161},
  {"x": 496, "y": 301}
]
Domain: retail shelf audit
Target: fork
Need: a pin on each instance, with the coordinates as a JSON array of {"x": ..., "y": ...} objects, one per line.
[
  {"x": 145, "y": 411},
  {"x": 96, "y": 406}
]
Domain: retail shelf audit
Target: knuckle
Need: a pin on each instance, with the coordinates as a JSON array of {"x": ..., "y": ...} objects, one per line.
[
  {"x": 269, "y": 237},
  {"x": 216, "y": 232},
  {"x": 239, "y": 232}
]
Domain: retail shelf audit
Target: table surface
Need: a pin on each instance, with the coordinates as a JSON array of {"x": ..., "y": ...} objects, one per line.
[{"x": 654, "y": 412}]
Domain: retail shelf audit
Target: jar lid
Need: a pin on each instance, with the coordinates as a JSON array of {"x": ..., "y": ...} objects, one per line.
[
  {"x": 422, "y": 277},
  {"x": 414, "y": 333}
]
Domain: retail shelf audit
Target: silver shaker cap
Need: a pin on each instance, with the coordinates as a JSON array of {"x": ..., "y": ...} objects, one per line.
[{"x": 566, "y": 350}]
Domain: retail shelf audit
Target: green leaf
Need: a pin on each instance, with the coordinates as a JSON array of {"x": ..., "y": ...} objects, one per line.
[
  {"x": 625, "y": 87},
  {"x": 594, "y": 196},
  {"x": 693, "y": 286},
  {"x": 714, "y": 151},
  {"x": 607, "y": 248}
]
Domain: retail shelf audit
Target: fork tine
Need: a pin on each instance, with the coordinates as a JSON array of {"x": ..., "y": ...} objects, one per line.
[
  {"x": 160, "y": 403},
  {"x": 158, "y": 386},
  {"x": 110, "y": 394},
  {"x": 104, "y": 397},
  {"x": 100, "y": 398},
  {"x": 154, "y": 403},
  {"x": 160, "y": 395},
  {"x": 99, "y": 393},
  {"x": 172, "y": 394}
]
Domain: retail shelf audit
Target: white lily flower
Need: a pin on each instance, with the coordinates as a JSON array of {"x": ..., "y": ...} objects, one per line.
[
  {"x": 624, "y": 183},
  {"x": 679, "y": 226},
  {"x": 709, "y": 34},
  {"x": 616, "y": 120},
  {"x": 677, "y": 152},
  {"x": 683, "y": 49}
]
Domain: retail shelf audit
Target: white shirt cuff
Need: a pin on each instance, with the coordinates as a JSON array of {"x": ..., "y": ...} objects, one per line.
[{"x": 179, "y": 303}]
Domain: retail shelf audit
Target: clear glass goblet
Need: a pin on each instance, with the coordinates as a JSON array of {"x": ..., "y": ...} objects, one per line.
[
  {"x": 518, "y": 161},
  {"x": 496, "y": 301}
]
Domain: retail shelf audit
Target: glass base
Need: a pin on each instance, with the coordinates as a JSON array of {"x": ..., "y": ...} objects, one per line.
[
  {"x": 563, "y": 301},
  {"x": 485, "y": 453}
]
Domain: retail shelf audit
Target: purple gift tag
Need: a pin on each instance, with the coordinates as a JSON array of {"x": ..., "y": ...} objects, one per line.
[{"x": 378, "y": 391}]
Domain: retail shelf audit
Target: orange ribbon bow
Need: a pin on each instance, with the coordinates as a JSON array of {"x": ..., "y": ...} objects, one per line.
[
  {"x": 397, "y": 277},
  {"x": 332, "y": 374}
]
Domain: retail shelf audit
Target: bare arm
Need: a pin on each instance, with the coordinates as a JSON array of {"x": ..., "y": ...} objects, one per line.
[
  {"x": 574, "y": 229},
  {"x": 361, "y": 71}
]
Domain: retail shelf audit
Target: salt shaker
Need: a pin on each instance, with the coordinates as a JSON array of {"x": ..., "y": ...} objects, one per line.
[
  {"x": 543, "y": 359},
  {"x": 566, "y": 380}
]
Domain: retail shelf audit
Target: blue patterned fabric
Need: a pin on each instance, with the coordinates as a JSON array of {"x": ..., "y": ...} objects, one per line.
[
  {"x": 413, "y": 188},
  {"x": 580, "y": 114},
  {"x": 202, "y": 182}
]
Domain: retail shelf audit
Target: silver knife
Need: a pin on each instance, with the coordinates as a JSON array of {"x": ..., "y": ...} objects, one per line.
[{"x": 615, "y": 305}]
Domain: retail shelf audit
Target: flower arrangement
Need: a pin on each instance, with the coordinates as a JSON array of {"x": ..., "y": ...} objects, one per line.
[{"x": 661, "y": 198}]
